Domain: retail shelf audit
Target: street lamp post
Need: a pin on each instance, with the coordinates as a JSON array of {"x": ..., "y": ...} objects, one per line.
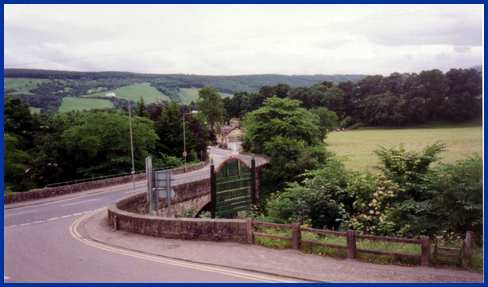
[
  {"x": 184, "y": 139},
  {"x": 112, "y": 95}
]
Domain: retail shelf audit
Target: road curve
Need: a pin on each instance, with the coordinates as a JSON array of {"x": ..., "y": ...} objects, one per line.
[{"x": 42, "y": 243}]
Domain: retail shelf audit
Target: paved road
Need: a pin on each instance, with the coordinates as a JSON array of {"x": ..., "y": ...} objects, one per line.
[{"x": 43, "y": 244}]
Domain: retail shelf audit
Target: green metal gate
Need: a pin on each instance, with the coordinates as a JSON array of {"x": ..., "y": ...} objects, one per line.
[{"x": 233, "y": 187}]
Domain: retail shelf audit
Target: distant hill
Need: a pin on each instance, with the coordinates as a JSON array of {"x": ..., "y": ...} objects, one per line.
[
  {"x": 51, "y": 91},
  {"x": 225, "y": 84}
]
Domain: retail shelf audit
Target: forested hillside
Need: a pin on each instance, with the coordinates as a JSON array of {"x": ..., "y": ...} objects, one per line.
[{"x": 45, "y": 89}]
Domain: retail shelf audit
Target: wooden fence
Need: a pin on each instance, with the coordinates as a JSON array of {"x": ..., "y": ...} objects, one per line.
[{"x": 351, "y": 238}]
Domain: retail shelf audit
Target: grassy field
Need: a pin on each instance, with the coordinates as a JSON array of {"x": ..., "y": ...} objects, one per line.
[
  {"x": 35, "y": 110},
  {"x": 134, "y": 92},
  {"x": 358, "y": 145},
  {"x": 188, "y": 95},
  {"x": 22, "y": 85},
  {"x": 71, "y": 104}
]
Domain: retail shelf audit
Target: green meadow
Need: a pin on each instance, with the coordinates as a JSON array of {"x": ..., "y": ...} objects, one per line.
[
  {"x": 188, "y": 95},
  {"x": 134, "y": 93},
  {"x": 71, "y": 104},
  {"x": 358, "y": 145},
  {"x": 22, "y": 85},
  {"x": 35, "y": 110}
]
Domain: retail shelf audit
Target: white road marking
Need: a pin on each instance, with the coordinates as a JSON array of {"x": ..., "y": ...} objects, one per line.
[
  {"x": 20, "y": 213},
  {"x": 87, "y": 211},
  {"x": 66, "y": 216},
  {"x": 25, "y": 224},
  {"x": 77, "y": 214},
  {"x": 54, "y": 218},
  {"x": 40, "y": 221},
  {"x": 84, "y": 201},
  {"x": 11, "y": 226},
  {"x": 5, "y": 278}
]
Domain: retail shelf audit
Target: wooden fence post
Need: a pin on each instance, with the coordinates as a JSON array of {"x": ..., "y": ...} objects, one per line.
[
  {"x": 249, "y": 230},
  {"x": 468, "y": 245},
  {"x": 425, "y": 245},
  {"x": 351, "y": 244},
  {"x": 297, "y": 236}
]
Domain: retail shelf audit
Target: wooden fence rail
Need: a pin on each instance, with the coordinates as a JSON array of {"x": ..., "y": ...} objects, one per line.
[{"x": 352, "y": 238}]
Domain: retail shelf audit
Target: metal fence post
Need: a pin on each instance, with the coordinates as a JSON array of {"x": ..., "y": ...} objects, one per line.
[
  {"x": 351, "y": 244},
  {"x": 425, "y": 245},
  {"x": 213, "y": 191},
  {"x": 253, "y": 181}
]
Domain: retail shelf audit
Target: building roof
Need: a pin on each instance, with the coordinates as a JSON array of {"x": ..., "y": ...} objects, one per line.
[{"x": 228, "y": 131}]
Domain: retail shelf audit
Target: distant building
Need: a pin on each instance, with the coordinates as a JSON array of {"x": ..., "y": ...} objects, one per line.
[{"x": 231, "y": 137}]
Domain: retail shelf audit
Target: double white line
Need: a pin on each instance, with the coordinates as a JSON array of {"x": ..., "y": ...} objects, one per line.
[{"x": 79, "y": 237}]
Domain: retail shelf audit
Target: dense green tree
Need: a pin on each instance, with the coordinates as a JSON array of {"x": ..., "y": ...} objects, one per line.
[
  {"x": 280, "y": 117},
  {"x": 19, "y": 122},
  {"x": 328, "y": 121},
  {"x": 51, "y": 161},
  {"x": 210, "y": 104},
  {"x": 142, "y": 109},
  {"x": 383, "y": 109},
  {"x": 101, "y": 145},
  {"x": 16, "y": 178},
  {"x": 290, "y": 136}
]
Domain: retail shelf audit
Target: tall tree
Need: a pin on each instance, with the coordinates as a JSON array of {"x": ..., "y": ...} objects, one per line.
[
  {"x": 102, "y": 146},
  {"x": 210, "y": 104},
  {"x": 280, "y": 117},
  {"x": 328, "y": 120},
  {"x": 19, "y": 122},
  {"x": 142, "y": 109}
]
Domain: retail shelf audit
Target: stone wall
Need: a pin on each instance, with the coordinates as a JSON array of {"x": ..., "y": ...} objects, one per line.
[
  {"x": 186, "y": 193},
  {"x": 68, "y": 189},
  {"x": 176, "y": 228}
]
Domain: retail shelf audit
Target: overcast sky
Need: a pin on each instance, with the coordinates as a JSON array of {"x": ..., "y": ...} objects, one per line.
[{"x": 244, "y": 39}]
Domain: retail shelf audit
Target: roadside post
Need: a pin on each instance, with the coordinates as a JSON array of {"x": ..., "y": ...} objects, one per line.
[
  {"x": 149, "y": 177},
  {"x": 164, "y": 182}
]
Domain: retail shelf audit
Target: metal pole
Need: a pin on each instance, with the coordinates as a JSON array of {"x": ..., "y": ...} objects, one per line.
[
  {"x": 168, "y": 194},
  {"x": 184, "y": 139},
  {"x": 132, "y": 149}
]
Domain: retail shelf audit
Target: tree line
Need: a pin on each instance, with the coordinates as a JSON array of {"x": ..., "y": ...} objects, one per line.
[
  {"x": 395, "y": 100},
  {"x": 58, "y": 147}
]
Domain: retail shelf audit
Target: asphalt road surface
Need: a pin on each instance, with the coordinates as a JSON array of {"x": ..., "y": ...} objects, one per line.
[{"x": 42, "y": 243}]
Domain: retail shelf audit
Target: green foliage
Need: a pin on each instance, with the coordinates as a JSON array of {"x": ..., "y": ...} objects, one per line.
[
  {"x": 324, "y": 198},
  {"x": 101, "y": 145},
  {"x": 18, "y": 122},
  {"x": 142, "y": 109},
  {"x": 210, "y": 105},
  {"x": 166, "y": 161},
  {"x": 280, "y": 118},
  {"x": 206, "y": 214},
  {"x": 170, "y": 131},
  {"x": 457, "y": 196},
  {"x": 15, "y": 163},
  {"x": 328, "y": 120}
]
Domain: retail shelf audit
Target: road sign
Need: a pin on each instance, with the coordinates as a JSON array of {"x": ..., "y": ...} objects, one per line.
[
  {"x": 184, "y": 153},
  {"x": 162, "y": 179},
  {"x": 163, "y": 193}
]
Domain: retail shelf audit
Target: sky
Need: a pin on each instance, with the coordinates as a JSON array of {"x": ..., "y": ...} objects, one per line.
[{"x": 244, "y": 39}]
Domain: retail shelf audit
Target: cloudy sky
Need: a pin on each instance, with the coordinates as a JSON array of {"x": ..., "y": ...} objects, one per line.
[{"x": 243, "y": 39}]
